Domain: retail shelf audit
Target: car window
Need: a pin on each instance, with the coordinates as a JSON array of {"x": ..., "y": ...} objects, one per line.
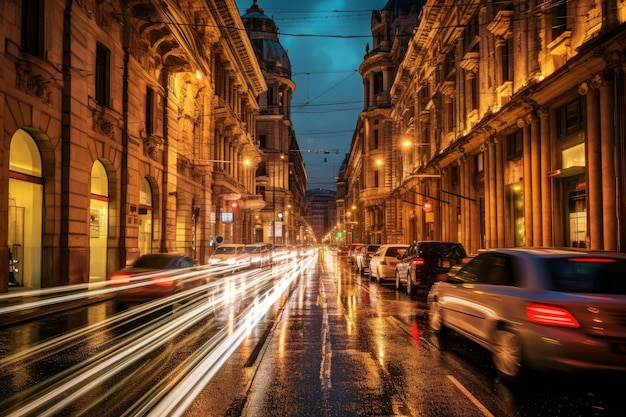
[
  {"x": 588, "y": 275},
  {"x": 185, "y": 262},
  {"x": 394, "y": 251},
  {"x": 472, "y": 271},
  {"x": 225, "y": 250},
  {"x": 500, "y": 270},
  {"x": 152, "y": 261}
]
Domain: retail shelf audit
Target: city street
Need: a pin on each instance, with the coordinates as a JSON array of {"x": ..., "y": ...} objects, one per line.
[{"x": 322, "y": 340}]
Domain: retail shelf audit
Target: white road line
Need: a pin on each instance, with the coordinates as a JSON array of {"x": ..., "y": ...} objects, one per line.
[{"x": 469, "y": 395}]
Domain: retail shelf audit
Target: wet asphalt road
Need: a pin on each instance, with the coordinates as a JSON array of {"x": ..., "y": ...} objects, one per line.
[
  {"x": 334, "y": 344},
  {"x": 345, "y": 346}
]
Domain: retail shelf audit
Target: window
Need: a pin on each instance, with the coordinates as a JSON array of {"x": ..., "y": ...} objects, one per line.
[
  {"x": 102, "y": 75},
  {"x": 270, "y": 96},
  {"x": 480, "y": 162},
  {"x": 569, "y": 119},
  {"x": 515, "y": 145},
  {"x": 375, "y": 141},
  {"x": 149, "y": 111},
  {"x": 375, "y": 179},
  {"x": 33, "y": 27},
  {"x": 559, "y": 18},
  {"x": 262, "y": 141}
]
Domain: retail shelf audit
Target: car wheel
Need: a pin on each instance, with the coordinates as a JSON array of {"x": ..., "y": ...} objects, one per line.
[
  {"x": 409, "y": 283},
  {"x": 435, "y": 318},
  {"x": 507, "y": 354}
]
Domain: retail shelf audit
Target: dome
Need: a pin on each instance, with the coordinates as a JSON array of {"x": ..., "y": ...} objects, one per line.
[{"x": 263, "y": 34}]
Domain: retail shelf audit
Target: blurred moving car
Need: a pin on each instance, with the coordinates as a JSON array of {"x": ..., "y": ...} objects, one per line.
[
  {"x": 383, "y": 263},
  {"x": 547, "y": 309},
  {"x": 423, "y": 261},
  {"x": 159, "y": 272},
  {"x": 342, "y": 251},
  {"x": 363, "y": 257},
  {"x": 352, "y": 251},
  {"x": 260, "y": 254},
  {"x": 284, "y": 254},
  {"x": 231, "y": 254}
]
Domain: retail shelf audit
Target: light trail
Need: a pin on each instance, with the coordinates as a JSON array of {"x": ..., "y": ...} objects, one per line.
[{"x": 122, "y": 357}]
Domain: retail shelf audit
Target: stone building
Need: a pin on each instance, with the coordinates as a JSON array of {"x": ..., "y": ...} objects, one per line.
[
  {"x": 281, "y": 176},
  {"x": 367, "y": 178},
  {"x": 129, "y": 128},
  {"x": 513, "y": 118}
]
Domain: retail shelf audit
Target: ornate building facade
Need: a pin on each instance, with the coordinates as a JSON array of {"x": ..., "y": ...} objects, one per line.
[
  {"x": 281, "y": 176},
  {"x": 129, "y": 128},
  {"x": 366, "y": 179},
  {"x": 513, "y": 118}
]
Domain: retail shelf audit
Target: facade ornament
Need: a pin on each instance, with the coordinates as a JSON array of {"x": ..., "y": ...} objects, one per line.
[
  {"x": 153, "y": 146},
  {"x": 597, "y": 81},
  {"x": 33, "y": 83},
  {"x": 583, "y": 89},
  {"x": 103, "y": 124}
]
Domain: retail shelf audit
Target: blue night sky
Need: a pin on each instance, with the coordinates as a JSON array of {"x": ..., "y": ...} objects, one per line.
[{"x": 326, "y": 41}]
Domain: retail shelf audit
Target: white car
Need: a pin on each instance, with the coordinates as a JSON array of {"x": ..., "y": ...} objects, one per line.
[
  {"x": 383, "y": 263},
  {"x": 231, "y": 254}
]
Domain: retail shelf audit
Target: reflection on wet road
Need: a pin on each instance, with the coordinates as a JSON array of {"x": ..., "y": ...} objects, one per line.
[{"x": 307, "y": 338}]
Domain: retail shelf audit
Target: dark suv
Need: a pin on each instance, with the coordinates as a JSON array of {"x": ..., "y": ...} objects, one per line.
[{"x": 424, "y": 261}]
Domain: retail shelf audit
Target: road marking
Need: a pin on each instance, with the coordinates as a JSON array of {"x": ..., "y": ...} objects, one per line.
[
  {"x": 469, "y": 395},
  {"x": 327, "y": 351}
]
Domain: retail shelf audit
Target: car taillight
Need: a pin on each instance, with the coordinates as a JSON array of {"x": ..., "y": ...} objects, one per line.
[
  {"x": 120, "y": 279},
  {"x": 163, "y": 281},
  {"x": 551, "y": 316},
  {"x": 417, "y": 261}
]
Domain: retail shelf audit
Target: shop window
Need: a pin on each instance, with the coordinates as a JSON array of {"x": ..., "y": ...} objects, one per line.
[{"x": 25, "y": 211}]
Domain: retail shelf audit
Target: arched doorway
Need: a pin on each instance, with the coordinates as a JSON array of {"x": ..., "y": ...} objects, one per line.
[
  {"x": 25, "y": 211},
  {"x": 145, "y": 217},
  {"x": 98, "y": 223}
]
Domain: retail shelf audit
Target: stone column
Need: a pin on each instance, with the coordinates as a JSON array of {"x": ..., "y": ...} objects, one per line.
[
  {"x": 498, "y": 218},
  {"x": 492, "y": 215},
  {"x": 594, "y": 171},
  {"x": 546, "y": 167},
  {"x": 527, "y": 183},
  {"x": 535, "y": 162},
  {"x": 607, "y": 123}
]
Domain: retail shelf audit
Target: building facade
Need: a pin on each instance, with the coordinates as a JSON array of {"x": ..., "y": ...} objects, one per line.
[
  {"x": 368, "y": 176},
  {"x": 508, "y": 125},
  {"x": 129, "y": 128},
  {"x": 281, "y": 176}
]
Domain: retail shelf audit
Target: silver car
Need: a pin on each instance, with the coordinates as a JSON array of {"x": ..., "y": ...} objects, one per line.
[{"x": 547, "y": 309}]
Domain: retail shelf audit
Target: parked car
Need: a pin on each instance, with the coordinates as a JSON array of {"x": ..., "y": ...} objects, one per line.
[
  {"x": 352, "y": 251},
  {"x": 547, "y": 309},
  {"x": 423, "y": 261},
  {"x": 231, "y": 254},
  {"x": 383, "y": 263},
  {"x": 363, "y": 257},
  {"x": 160, "y": 272},
  {"x": 260, "y": 254}
]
